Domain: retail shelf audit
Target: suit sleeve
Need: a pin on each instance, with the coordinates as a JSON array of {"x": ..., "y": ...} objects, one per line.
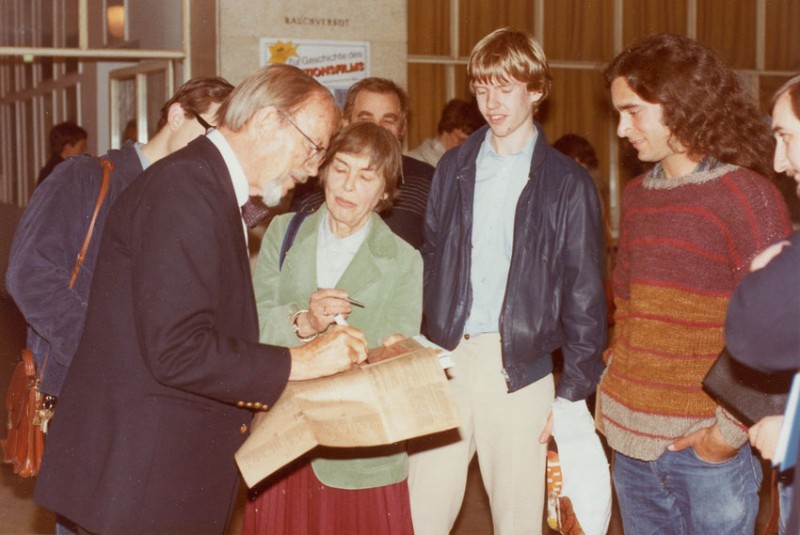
[
  {"x": 762, "y": 328},
  {"x": 273, "y": 318},
  {"x": 437, "y": 298},
  {"x": 194, "y": 307},
  {"x": 431, "y": 222},
  {"x": 583, "y": 308}
]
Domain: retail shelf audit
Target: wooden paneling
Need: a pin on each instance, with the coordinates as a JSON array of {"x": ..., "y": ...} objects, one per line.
[
  {"x": 577, "y": 30},
  {"x": 767, "y": 85},
  {"x": 462, "y": 84},
  {"x": 641, "y": 18},
  {"x": 478, "y": 18},
  {"x": 729, "y": 27},
  {"x": 782, "y": 40},
  {"x": 428, "y": 92},
  {"x": 429, "y": 27},
  {"x": 584, "y": 31},
  {"x": 579, "y": 104}
]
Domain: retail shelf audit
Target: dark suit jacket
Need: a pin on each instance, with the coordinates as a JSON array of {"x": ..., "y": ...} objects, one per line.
[
  {"x": 48, "y": 168},
  {"x": 147, "y": 423},
  {"x": 762, "y": 330}
]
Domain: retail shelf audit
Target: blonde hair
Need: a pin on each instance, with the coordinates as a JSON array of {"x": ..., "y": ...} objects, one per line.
[
  {"x": 506, "y": 55},
  {"x": 283, "y": 86}
]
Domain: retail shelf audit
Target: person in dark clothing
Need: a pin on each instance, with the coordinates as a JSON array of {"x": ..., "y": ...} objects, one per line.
[
  {"x": 762, "y": 329},
  {"x": 54, "y": 225},
  {"x": 169, "y": 371},
  {"x": 66, "y": 139}
]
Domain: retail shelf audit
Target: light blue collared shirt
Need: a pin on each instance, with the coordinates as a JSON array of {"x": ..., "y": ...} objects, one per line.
[
  {"x": 137, "y": 146},
  {"x": 334, "y": 254},
  {"x": 499, "y": 181}
]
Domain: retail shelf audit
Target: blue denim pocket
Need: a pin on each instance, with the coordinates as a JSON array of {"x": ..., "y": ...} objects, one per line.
[
  {"x": 681, "y": 493},
  {"x": 700, "y": 459}
]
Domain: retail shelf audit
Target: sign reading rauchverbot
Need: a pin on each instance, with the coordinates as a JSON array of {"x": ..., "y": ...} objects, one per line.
[{"x": 336, "y": 64}]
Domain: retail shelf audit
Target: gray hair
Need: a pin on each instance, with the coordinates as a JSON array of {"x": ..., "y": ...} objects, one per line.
[{"x": 283, "y": 86}]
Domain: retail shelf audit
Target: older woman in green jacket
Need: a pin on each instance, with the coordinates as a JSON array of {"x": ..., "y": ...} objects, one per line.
[{"x": 341, "y": 253}]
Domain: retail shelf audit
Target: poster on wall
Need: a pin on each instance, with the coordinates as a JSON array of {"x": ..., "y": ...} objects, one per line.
[{"x": 336, "y": 64}]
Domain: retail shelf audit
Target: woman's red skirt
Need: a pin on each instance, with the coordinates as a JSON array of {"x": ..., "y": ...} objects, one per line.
[{"x": 297, "y": 503}]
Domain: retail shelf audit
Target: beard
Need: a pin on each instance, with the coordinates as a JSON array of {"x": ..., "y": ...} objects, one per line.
[{"x": 272, "y": 192}]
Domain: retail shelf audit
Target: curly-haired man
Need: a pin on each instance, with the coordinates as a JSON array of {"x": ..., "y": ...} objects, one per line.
[{"x": 690, "y": 227}]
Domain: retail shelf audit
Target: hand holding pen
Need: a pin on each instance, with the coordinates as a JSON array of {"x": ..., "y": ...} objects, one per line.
[{"x": 324, "y": 306}]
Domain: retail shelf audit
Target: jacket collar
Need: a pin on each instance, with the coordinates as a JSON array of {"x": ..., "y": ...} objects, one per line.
[
  {"x": 126, "y": 159},
  {"x": 468, "y": 154},
  {"x": 205, "y": 152},
  {"x": 376, "y": 240},
  {"x": 362, "y": 272}
]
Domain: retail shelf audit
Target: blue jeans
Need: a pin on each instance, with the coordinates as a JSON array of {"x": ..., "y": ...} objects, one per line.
[
  {"x": 64, "y": 526},
  {"x": 786, "y": 495},
  {"x": 681, "y": 494}
]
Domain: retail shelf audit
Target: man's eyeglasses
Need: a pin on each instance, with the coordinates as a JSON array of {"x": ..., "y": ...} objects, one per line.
[
  {"x": 318, "y": 152},
  {"x": 203, "y": 122}
]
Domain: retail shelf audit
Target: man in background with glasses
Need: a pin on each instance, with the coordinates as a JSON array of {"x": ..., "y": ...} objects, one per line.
[
  {"x": 383, "y": 102},
  {"x": 169, "y": 369}
]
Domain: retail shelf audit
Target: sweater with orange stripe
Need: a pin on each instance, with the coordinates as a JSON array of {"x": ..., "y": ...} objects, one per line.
[{"x": 685, "y": 243}]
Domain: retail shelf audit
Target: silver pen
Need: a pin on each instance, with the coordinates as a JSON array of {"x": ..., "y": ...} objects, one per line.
[
  {"x": 351, "y": 301},
  {"x": 355, "y": 303}
]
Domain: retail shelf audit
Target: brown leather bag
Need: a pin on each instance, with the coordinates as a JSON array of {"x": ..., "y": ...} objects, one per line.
[
  {"x": 28, "y": 409},
  {"x": 24, "y": 444}
]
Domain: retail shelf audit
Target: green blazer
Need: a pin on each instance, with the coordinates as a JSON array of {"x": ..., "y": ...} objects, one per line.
[{"x": 386, "y": 276}]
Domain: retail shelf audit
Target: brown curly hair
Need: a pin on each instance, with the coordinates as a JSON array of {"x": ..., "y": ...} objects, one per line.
[{"x": 703, "y": 104}]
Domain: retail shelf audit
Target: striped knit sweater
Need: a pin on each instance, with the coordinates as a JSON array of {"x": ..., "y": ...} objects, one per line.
[{"x": 684, "y": 245}]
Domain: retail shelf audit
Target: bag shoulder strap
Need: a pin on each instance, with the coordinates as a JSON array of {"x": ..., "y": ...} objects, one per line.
[
  {"x": 107, "y": 168},
  {"x": 30, "y": 365},
  {"x": 291, "y": 233}
]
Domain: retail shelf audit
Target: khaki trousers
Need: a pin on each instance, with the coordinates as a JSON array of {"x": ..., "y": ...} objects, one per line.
[{"x": 502, "y": 428}]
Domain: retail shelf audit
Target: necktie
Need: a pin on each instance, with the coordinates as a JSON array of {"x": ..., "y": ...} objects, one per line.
[{"x": 254, "y": 212}]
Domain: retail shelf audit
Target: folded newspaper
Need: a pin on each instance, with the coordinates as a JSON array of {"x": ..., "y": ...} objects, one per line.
[{"x": 401, "y": 392}]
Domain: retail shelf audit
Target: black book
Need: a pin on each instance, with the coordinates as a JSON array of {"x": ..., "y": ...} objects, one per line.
[{"x": 748, "y": 394}]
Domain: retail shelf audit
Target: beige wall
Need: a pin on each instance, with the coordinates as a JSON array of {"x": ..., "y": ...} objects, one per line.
[{"x": 381, "y": 22}]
